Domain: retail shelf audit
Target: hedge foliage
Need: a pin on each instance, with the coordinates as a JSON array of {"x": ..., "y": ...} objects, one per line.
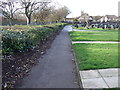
[{"x": 19, "y": 38}]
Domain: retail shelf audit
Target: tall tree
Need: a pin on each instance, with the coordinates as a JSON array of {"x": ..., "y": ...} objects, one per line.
[
  {"x": 42, "y": 14},
  {"x": 32, "y": 5},
  {"x": 9, "y": 9}
]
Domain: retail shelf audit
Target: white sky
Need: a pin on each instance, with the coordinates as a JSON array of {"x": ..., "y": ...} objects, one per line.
[{"x": 92, "y": 7}]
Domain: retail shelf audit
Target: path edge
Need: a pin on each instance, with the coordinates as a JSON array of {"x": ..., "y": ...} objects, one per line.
[{"x": 76, "y": 65}]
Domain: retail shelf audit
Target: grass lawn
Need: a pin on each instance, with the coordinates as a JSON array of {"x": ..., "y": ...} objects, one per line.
[
  {"x": 95, "y": 28},
  {"x": 106, "y": 35},
  {"x": 96, "y": 56}
]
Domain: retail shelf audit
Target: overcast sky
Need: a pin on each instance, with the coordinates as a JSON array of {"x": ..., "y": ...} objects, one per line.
[{"x": 92, "y": 7}]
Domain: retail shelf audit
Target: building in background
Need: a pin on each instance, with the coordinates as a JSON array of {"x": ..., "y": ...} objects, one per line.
[
  {"x": 84, "y": 17},
  {"x": 69, "y": 19}
]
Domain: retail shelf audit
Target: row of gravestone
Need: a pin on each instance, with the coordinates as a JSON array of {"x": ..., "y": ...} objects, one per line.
[{"x": 103, "y": 26}]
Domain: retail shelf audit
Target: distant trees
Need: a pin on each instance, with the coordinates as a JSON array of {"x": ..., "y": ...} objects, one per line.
[
  {"x": 30, "y": 6},
  {"x": 50, "y": 14},
  {"x": 75, "y": 20},
  {"x": 9, "y": 9},
  {"x": 59, "y": 14},
  {"x": 37, "y": 10},
  {"x": 42, "y": 14}
]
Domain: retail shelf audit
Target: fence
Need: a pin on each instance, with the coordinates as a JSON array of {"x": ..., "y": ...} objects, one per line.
[{"x": 4, "y": 22}]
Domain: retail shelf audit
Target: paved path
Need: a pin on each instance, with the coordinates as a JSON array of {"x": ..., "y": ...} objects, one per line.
[
  {"x": 101, "y": 78},
  {"x": 56, "y": 68},
  {"x": 74, "y": 42}
]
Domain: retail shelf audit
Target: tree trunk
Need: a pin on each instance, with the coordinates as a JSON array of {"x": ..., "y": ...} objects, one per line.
[
  {"x": 10, "y": 21},
  {"x": 28, "y": 20}
]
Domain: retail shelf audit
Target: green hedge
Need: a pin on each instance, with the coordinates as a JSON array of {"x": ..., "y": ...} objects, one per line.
[{"x": 20, "y": 38}]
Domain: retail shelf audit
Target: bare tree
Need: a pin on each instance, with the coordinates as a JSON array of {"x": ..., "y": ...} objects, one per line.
[
  {"x": 59, "y": 14},
  {"x": 42, "y": 14},
  {"x": 30, "y": 6},
  {"x": 64, "y": 12},
  {"x": 9, "y": 9}
]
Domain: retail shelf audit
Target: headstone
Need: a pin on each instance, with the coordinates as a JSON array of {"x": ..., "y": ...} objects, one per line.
[{"x": 103, "y": 27}]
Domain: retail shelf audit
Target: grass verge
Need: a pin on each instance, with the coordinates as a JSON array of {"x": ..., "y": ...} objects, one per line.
[
  {"x": 111, "y": 35},
  {"x": 96, "y": 56},
  {"x": 95, "y": 28}
]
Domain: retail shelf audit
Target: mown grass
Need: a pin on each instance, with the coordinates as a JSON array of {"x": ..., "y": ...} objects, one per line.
[
  {"x": 111, "y": 89},
  {"x": 96, "y": 56},
  {"x": 95, "y": 28},
  {"x": 106, "y": 35}
]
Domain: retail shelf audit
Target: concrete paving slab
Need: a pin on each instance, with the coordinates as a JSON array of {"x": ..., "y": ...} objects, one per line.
[
  {"x": 94, "y": 83},
  {"x": 101, "y": 78},
  {"x": 112, "y": 81},
  {"x": 109, "y": 72},
  {"x": 89, "y": 74},
  {"x": 118, "y": 71}
]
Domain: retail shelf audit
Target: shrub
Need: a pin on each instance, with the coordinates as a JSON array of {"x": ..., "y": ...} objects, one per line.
[{"x": 19, "y": 38}]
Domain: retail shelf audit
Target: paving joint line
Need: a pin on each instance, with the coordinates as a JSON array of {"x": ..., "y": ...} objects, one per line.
[{"x": 103, "y": 78}]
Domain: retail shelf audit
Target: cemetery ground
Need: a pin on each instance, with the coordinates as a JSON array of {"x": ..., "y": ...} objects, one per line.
[
  {"x": 22, "y": 46},
  {"x": 104, "y": 35},
  {"x": 96, "y": 56},
  {"x": 35, "y": 58},
  {"x": 97, "y": 62},
  {"x": 94, "y": 28},
  {"x": 26, "y": 46},
  {"x": 91, "y": 56}
]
